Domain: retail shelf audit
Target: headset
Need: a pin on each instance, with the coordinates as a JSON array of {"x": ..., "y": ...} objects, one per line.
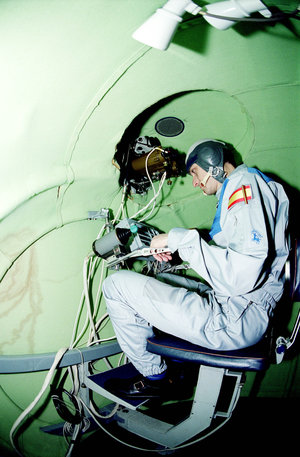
[{"x": 66, "y": 403}]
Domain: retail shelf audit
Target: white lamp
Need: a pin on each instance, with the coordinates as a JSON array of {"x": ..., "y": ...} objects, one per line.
[
  {"x": 160, "y": 28},
  {"x": 235, "y": 9}
]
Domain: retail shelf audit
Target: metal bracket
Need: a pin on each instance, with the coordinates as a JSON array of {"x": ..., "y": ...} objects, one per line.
[{"x": 282, "y": 343}]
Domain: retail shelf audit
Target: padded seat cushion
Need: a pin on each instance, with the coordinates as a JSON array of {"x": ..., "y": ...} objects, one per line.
[{"x": 253, "y": 358}]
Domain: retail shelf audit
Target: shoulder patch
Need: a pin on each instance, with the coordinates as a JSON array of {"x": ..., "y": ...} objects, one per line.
[
  {"x": 256, "y": 236},
  {"x": 243, "y": 194}
]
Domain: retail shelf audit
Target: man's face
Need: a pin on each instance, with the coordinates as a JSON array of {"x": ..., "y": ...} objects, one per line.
[{"x": 202, "y": 179}]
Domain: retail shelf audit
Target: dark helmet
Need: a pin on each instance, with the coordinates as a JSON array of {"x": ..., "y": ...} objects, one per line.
[{"x": 209, "y": 155}]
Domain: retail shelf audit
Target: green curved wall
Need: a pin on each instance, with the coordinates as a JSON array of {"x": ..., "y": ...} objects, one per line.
[{"x": 72, "y": 81}]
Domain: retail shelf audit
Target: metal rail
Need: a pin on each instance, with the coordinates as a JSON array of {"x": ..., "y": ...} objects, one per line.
[{"x": 28, "y": 363}]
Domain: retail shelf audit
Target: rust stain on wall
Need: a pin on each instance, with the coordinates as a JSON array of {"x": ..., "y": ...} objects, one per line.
[{"x": 20, "y": 303}]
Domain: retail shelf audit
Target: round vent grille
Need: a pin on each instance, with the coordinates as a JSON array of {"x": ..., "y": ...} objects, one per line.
[{"x": 169, "y": 126}]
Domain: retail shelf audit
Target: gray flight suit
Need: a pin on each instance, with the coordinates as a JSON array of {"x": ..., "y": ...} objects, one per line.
[{"x": 242, "y": 268}]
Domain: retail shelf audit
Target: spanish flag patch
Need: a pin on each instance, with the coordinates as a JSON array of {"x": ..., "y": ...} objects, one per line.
[{"x": 243, "y": 194}]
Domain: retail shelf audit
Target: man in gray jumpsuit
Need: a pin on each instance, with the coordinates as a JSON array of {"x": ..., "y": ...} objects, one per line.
[{"x": 242, "y": 267}]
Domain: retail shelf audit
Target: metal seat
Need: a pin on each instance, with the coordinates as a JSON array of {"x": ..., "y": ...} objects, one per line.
[{"x": 254, "y": 358}]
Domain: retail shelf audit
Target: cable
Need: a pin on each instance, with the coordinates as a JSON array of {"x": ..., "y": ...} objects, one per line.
[
  {"x": 85, "y": 297},
  {"x": 22, "y": 416},
  {"x": 110, "y": 434},
  {"x": 107, "y": 416},
  {"x": 86, "y": 278},
  {"x": 275, "y": 18},
  {"x": 153, "y": 199},
  {"x": 75, "y": 438},
  {"x": 99, "y": 291},
  {"x": 86, "y": 294},
  {"x": 156, "y": 194},
  {"x": 72, "y": 415}
]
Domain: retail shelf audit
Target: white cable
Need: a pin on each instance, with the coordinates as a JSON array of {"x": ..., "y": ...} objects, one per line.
[
  {"x": 86, "y": 279},
  {"x": 107, "y": 416},
  {"x": 97, "y": 303},
  {"x": 99, "y": 291},
  {"x": 77, "y": 318},
  {"x": 87, "y": 298},
  {"x": 153, "y": 199},
  {"x": 97, "y": 325},
  {"x": 76, "y": 432},
  {"x": 147, "y": 171},
  {"x": 110, "y": 434},
  {"x": 154, "y": 203},
  {"x": 73, "y": 373},
  {"x": 74, "y": 341},
  {"x": 156, "y": 194},
  {"x": 48, "y": 378},
  {"x": 102, "y": 318},
  {"x": 101, "y": 340},
  {"x": 121, "y": 208},
  {"x": 85, "y": 295}
]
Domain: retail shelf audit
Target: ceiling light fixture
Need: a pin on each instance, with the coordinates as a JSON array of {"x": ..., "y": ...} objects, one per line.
[
  {"x": 160, "y": 28},
  {"x": 237, "y": 9}
]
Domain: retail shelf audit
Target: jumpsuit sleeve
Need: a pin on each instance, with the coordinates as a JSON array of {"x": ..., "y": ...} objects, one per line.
[{"x": 236, "y": 268}]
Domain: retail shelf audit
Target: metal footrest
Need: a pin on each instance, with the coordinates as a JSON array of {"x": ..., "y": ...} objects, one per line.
[
  {"x": 203, "y": 411},
  {"x": 97, "y": 383}
]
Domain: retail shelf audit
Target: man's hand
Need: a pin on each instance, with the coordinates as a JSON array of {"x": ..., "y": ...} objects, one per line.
[{"x": 161, "y": 241}]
